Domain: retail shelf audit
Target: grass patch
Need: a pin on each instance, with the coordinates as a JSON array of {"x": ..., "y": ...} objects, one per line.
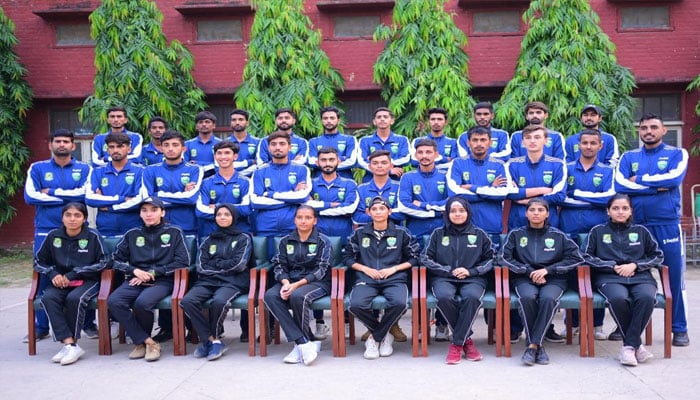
[{"x": 16, "y": 269}]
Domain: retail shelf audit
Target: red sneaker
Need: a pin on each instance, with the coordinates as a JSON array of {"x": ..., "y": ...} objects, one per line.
[
  {"x": 470, "y": 351},
  {"x": 454, "y": 354}
]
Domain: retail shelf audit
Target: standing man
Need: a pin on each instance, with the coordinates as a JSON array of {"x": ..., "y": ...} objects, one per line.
[
  {"x": 589, "y": 187},
  {"x": 446, "y": 147},
  {"x": 117, "y": 120},
  {"x": 114, "y": 189},
  {"x": 651, "y": 176},
  {"x": 536, "y": 113},
  {"x": 51, "y": 184},
  {"x": 384, "y": 139},
  {"x": 153, "y": 152},
  {"x": 500, "y": 143},
  {"x": 380, "y": 185},
  {"x": 591, "y": 117},
  {"x": 200, "y": 149},
  {"x": 423, "y": 193},
  {"x": 345, "y": 145},
  {"x": 247, "y": 143},
  {"x": 299, "y": 147}
]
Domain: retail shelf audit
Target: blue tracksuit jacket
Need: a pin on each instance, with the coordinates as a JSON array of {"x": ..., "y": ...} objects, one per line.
[
  {"x": 151, "y": 155},
  {"x": 216, "y": 190},
  {"x": 99, "y": 148},
  {"x": 397, "y": 145},
  {"x": 447, "y": 148},
  {"x": 334, "y": 221},
  {"x": 500, "y": 145},
  {"x": 115, "y": 186},
  {"x": 300, "y": 147},
  {"x": 587, "y": 195},
  {"x": 609, "y": 154},
  {"x": 554, "y": 146},
  {"x": 347, "y": 152},
  {"x": 245, "y": 164},
  {"x": 430, "y": 188},
  {"x": 201, "y": 153},
  {"x": 369, "y": 190}
]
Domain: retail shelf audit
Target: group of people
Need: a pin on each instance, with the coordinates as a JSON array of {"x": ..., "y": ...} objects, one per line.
[{"x": 224, "y": 191}]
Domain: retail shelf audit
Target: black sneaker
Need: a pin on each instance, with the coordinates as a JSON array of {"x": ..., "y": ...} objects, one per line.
[
  {"x": 163, "y": 336},
  {"x": 541, "y": 356},
  {"x": 91, "y": 332},
  {"x": 530, "y": 356},
  {"x": 615, "y": 335},
  {"x": 515, "y": 337},
  {"x": 553, "y": 337},
  {"x": 39, "y": 336},
  {"x": 681, "y": 339}
]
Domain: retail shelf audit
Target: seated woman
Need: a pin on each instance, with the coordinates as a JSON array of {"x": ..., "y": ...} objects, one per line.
[
  {"x": 223, "y": 274},
  {"x": 539, "y": 258},
  {"x": 302, "y": 271},
  {"x": 458, "y": 256},
  {"x": 621, "y": 255},
  {"x": 148, "y": 256},
  {"x": 72, "y": 257}
]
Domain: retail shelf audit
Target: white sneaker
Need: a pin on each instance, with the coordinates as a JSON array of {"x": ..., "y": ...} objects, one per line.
[
  {"x": 642, "y": 354},
  {"x": 308, "y": 352},
  {"x": 599, "y": 334},
  {"x": 318, "y": 345},
  {"x": 627, "y": 356},
  {"x": 385, "y": 348},
  {"x": 72, "y": 355},
  {"x": 574, "y": 331},
  {"x": 113, "y": 329},
  {"x": 371, "y": 349},
  {"x": 321, "y": 330},
  {"x": 294, "y": 356},
  {"x": 442, "y": 334},
  {"x": 57, "y": 358}
]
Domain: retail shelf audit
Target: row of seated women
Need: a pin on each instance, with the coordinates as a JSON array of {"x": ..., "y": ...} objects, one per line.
[{"x": 458, "y": 256}]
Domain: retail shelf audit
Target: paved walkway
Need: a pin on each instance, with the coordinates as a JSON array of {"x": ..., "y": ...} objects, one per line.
[{"x": 237, "y": 376}]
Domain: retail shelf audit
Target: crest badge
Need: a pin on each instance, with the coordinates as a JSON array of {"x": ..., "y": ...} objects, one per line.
[
  {"x": 212, "y": 249},
  {"x": 597, "y": 180},
  {"x": 290, "y": 249},
  {"x": 129, "y": 179},
  {"x": 341, "y": 146},
  {"x": 48, "y": 176},
  {"x": 165, "y": 238},
  {"x": 341, "y": 194},
  {"x": 367, "y": 200},
  {"x": 465, "y": 176},
  {"x": 372, "y": 149},
  {"x": 82, "y": 243},
  {"x": 193, "y": 153},
  {"x": 417, "y": 189},
  {"x": 392, "y": 199},
  {"x": 295, "y": 148},
  {"x": 233, "y": 244},
  {"x": 391, "y": 241},
  {"x": 292, "y": 179},
  {"x": 104, "y": 182},
  {"x": 635, "y": 167},
  {"x": 236, "y": 192},
  {"x": 494, "y": 143},
  {"x": 547, "y": 178},
  {"x": 490, "y": 177},
  {"x": 607, "y": 238},
  {"x": 76, "y": 176},
  {"x": 662, "y": 164},
  {"x": 633, "y": 236},
  {"x": 212, "y": 194},
  {"x": 549, "y": 142},
  {"x": 159, "y": 181},
  {"x": 312, "y": 248},
  {"x": 184, "y": 179},
  {"x": 317, "y": 196},
  {"x": 445, "y": 241},
  {"x": 365, "y": 242},
  {"x": 394, "y": 148},
  {"x": 549, "y": 242},
  {"x": 471, "y": 239},
  {"x": 140, "y": 241},
  {"x": 319, "y": 147},
  {"x": 521, "y": 181},
  {"x": 575, "y": 148},
  {"x": 523, "y": 241},
  {"x": 251, "y": 149},
  {"x": 57, "y": 243},
  {"x": 441, "y": 187},
  {"x": 448, "y": 148},
  {"x": 571, "y": 180},
  {"x": 267, "y": 182}
]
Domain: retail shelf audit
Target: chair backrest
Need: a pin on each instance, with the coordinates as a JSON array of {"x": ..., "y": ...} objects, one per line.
[
  {"x": 192, "y": 248},
  {"x": 260, "y": 250},
  {"x": 582, "y": 240},
  {"x": 337, "y": 255},
  {"x": 110, "y": 243}
]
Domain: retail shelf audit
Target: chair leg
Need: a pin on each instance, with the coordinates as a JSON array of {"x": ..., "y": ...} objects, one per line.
[
  {"x": 649, "y": 333},
  {"x": 506, "y": 328},
  {"x": 104, "y": 334},
  {"x": 30, "y": 329}
]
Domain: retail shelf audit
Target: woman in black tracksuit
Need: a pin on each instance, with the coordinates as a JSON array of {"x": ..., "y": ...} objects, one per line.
[
  {"x": 72, "y": 258},
  {"x": 458, "y": 257},
  {"x": 621, "y": 255},
  {"x": 225, "y": 258},
  {"x": 302, "y": 271},
  {"x": 539, "y": 258}
]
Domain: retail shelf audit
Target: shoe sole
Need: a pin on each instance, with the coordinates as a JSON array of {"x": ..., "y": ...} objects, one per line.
[
  {"x": 474, "y": 359},
  {"x": 453, "y": 362},
  {"x": 215, "y": 357},
  {"x": 628, "y": 363},
  {"x": 528, "y": 363},
  {"x": 554, "y": 340},
  {"x": 69, "y": 362}
]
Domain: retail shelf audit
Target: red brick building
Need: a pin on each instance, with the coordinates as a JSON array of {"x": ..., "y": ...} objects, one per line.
[{"x": 657, "y": 40}]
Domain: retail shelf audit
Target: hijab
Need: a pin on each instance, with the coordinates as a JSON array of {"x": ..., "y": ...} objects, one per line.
[
  {"x": 230, "y": 230},
  {"x": 452, "y": 228}
]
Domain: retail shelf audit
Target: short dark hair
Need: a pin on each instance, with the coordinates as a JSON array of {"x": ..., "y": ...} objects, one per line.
[
  {"x": 591, "y": 132},
  {"x": 478, "y": 130},
  {"x": 426, "y": 142},
  {"x": 227, "y": 144},
  {"x": 649, "y": 116},
  {"x": 62, "y": 133},
  {"x": 379, "y": 153},
  {"x": 537, "y": 105},
  {"x": 333, "y": 109},
  {"x": 532, "y": 128},
  {"x": 285, "y": 110},
  {"x": 239, "y": 111},
  {"x": 437, "y": 110},
  {"x": 279, "y": 134},
  {"x": 170, "y": 134},
  {"x": 157, "y": 119},
  {"x": 118, "y": 138},
  {"x": 202, "y": 115},
  {"x": 378, "y": 109},
  {"x": 116, "y": 108},
  {"x": 484, "y": 104},
  {"x": 328, "y": 150}
]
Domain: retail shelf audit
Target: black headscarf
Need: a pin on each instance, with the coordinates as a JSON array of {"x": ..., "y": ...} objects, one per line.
[
  {"x": 452, "y": 228},
  {"x": 230, "y": 230}
]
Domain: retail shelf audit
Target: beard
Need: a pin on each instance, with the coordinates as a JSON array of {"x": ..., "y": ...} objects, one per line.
[{"x": 535, "y": 121}]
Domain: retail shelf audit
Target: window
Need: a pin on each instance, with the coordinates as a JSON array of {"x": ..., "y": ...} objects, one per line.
[
  {"x": 355, "y": 27},
  {"x": 643, "y": 18},
  {"x": 486, "y": 22},
  {"x": 223, "y": 119},
  {"x": 359, "y": 113},
  {"x": 73, "y": 35},
  {"x": 230, "y": 30},
  {"x": 68, "y": 119},
  {"x": 668, "y": 107}
]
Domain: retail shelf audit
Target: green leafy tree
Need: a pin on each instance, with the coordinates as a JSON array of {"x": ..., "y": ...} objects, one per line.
[
  {"x": 137, "y": 68},
  {"x": 15, "y": 101},
  {"x": 422, "y": 66},
  {"x": 567, "y": 61},
  {"x": 695, "y": 85},
  {"x": 286, "y": 68}
]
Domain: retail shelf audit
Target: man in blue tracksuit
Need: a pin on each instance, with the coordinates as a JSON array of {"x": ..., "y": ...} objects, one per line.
[
  {"x": 226, "y": 186},
  {"x": 152, "y": 153},
  {"x": 384, "y": 139},
  {"x": 176, "y": 182},
  {"x": 115, "y": 189},
  {"x": 446, "y": 146},
  {"x": 423, "y": 193},
  {"x": 380, "y": 185},
  {"x": 651, "y": 176},
  {"x": 536, "y": 175},
  {"x": 247, "y": 144},
  {"x": 590, "y": 184},
  {"x": 536, "y": 113},
  {"x": 117, "y": 120},
  {"x": 51, "y": 184},
  {"x": 346, "y": 145},
  {"x": 500, "y": 142},
  {"x": 200, "y": 149},
  {"x": 277, "y": 189},
  {"x": 299, "y": 147},
  {"x": 591, "y": 117}
]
